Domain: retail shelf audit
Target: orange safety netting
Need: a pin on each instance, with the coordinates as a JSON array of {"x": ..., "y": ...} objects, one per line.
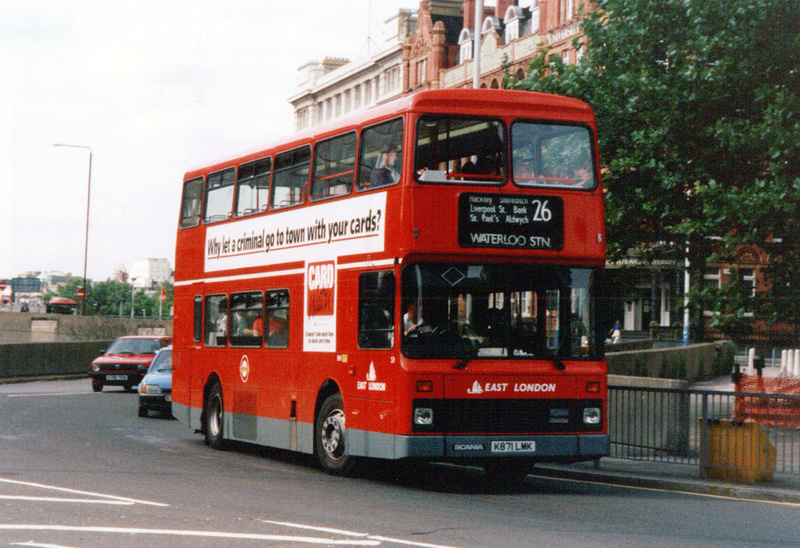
[{"x": 772, "y": 410}]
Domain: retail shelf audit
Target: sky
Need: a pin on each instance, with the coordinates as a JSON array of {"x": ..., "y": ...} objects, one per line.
[{"x": 154, "y": 88}]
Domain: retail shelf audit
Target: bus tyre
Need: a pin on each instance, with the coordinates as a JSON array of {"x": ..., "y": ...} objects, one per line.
[
  {"x": 331, "y": 437},
  {"x": 213, "y": 418}
]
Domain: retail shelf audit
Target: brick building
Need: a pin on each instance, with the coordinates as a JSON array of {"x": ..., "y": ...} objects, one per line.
[{"x": 432, "y": 48}]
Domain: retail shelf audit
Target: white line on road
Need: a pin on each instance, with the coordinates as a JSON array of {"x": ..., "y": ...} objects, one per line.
[
  {"x": 48, "y": 394},
  {"x": 86, "y": 493},
  {"x": 354, "y": 534},
  {"x": 56, "y": 499},
  {"x": 187, "y": 533}
]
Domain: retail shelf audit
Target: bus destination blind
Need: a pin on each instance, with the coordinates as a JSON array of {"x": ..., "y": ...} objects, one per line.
[{"x": 510, "y": 221}]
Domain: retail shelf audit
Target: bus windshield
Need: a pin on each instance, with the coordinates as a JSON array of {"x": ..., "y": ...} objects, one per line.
[
  {"x": 465, "y": 310},
  {"x": 453, "y": 149},
  {"x": 555, "y": 155}
]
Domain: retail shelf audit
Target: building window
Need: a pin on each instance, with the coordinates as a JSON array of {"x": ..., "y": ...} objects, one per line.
[
  {"x": 465, "y": 42},
  {"x": 422, "y": 71}
]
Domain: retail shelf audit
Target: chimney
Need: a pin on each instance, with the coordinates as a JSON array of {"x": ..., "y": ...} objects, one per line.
[
  {"x": 502, "y": 6},
  {"x": 468, "y": 14}
]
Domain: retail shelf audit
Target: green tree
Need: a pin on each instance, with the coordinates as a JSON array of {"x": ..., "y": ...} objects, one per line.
[
  {"x": 111, "y": 298},
  {"x": 698, "y": 108}
]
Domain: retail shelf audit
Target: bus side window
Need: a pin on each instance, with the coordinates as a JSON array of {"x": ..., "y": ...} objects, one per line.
[
  {"x": 216, "y": 320},
  {"x": 334, "y": 165},
  {"x": 252, "y": 187},
  {"x": 376, "y": 310},
  {"x": 381, "y": 156},
  {"x": 198, "y": 319},
  {"x": 277, "y": 319},
  {"x": 219, "y": 196},
  {"x": 191, "y": 203},
  {"x": 290, "y": 179},
  {"x": 247, "y": 319}
]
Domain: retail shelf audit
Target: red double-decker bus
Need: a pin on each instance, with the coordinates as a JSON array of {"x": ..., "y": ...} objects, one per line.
[{"x": 418, "y": 280}]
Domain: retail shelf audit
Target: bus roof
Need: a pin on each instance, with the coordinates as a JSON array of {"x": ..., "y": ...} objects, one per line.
[{"x": 463, "y": 100}]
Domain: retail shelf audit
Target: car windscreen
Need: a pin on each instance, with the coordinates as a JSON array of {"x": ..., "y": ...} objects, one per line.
[
  {"x": 162, "y": 363},
  {"x": 134, "y": 346}
]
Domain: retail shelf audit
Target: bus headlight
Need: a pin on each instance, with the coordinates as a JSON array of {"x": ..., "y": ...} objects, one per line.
[
  {"x": 591, "y": 415},
  {"x": 423, "y": 416}
]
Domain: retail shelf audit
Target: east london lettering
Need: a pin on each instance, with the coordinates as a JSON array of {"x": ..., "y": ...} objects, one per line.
[
  {"x": 318, "y": 232},
  {"x": 478, "y": 388}
]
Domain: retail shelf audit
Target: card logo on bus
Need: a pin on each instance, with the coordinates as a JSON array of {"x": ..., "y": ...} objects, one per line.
[
  {"x": 510, "y": 221},
  {"x": 321, "y": 279}
]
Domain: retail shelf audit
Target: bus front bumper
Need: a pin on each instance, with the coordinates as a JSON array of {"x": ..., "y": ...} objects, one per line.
[{"x": 561, "y": 447}]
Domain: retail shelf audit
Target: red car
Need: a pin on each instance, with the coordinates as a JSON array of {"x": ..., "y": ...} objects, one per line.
[{"x": 125, "y": 362}]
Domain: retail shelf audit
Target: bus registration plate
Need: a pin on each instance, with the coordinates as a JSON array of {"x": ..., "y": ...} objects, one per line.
[{"x": 513, "y": 447}]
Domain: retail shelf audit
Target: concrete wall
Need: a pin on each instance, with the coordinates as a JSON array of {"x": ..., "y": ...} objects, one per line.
[
  {"x": 31, "y": 360},
  {"x": 689, "y": 363},
  {"x": 19, "y": 327}
]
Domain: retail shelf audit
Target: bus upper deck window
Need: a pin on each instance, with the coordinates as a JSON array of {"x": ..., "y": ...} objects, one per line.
[
  {"x": 219, "y": 196},
  {"x": 252, "y": 187},
  {"x": 191, "y": 203},
  {"x": 381, "y": 158},
  {"x": 290, "y": 180},
  {"x": 453, "y": 149},
  {"x": 552, "y": 155},
  {"x": 334, "y": 166}
]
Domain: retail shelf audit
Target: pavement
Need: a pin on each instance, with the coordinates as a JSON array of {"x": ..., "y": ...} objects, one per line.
[{"x": 664, "y": 476}]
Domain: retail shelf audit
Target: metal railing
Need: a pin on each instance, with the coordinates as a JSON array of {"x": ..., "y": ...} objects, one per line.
[{"x": 722, "y": 433}]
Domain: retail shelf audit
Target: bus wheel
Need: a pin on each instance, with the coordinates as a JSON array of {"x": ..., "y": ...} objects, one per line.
[
  {"x": 331, "y": 437},
  {"x": 213, "y": 418}
]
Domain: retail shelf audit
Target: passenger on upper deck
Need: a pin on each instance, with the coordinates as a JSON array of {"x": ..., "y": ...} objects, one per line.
[{"x": 385, "y": 172}]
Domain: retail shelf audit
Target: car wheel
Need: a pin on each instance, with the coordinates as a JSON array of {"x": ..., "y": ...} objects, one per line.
[
  {"x": 97, "y": 387},
  {"x": 143, "y": 411},
  {"x": 213, "y": 416},
  {"x": 331, "y": 437}
]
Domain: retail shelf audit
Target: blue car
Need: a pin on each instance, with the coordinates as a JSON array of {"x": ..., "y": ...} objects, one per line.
[{"x": 155, "y": 390}]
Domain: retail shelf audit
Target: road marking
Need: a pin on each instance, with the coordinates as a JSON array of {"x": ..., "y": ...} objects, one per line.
[
  {"x": 188, "y": 533},
  {"x": 39, "y": 394},
  {"x": 55, "y": 499},
  {"x": 37, "y": 545},
  {"x": 354, "y": 534},
  {"x": 408, "y": 542},
  {"x": 86, "y": 493},
  {"x": 313, "y": 528}
]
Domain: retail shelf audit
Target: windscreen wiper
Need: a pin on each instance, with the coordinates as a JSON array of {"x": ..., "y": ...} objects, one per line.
[{"x": 471, "y": 355}]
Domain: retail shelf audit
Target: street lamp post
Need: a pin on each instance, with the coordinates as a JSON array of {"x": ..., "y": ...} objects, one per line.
[{"x": 86, "y": 238}]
